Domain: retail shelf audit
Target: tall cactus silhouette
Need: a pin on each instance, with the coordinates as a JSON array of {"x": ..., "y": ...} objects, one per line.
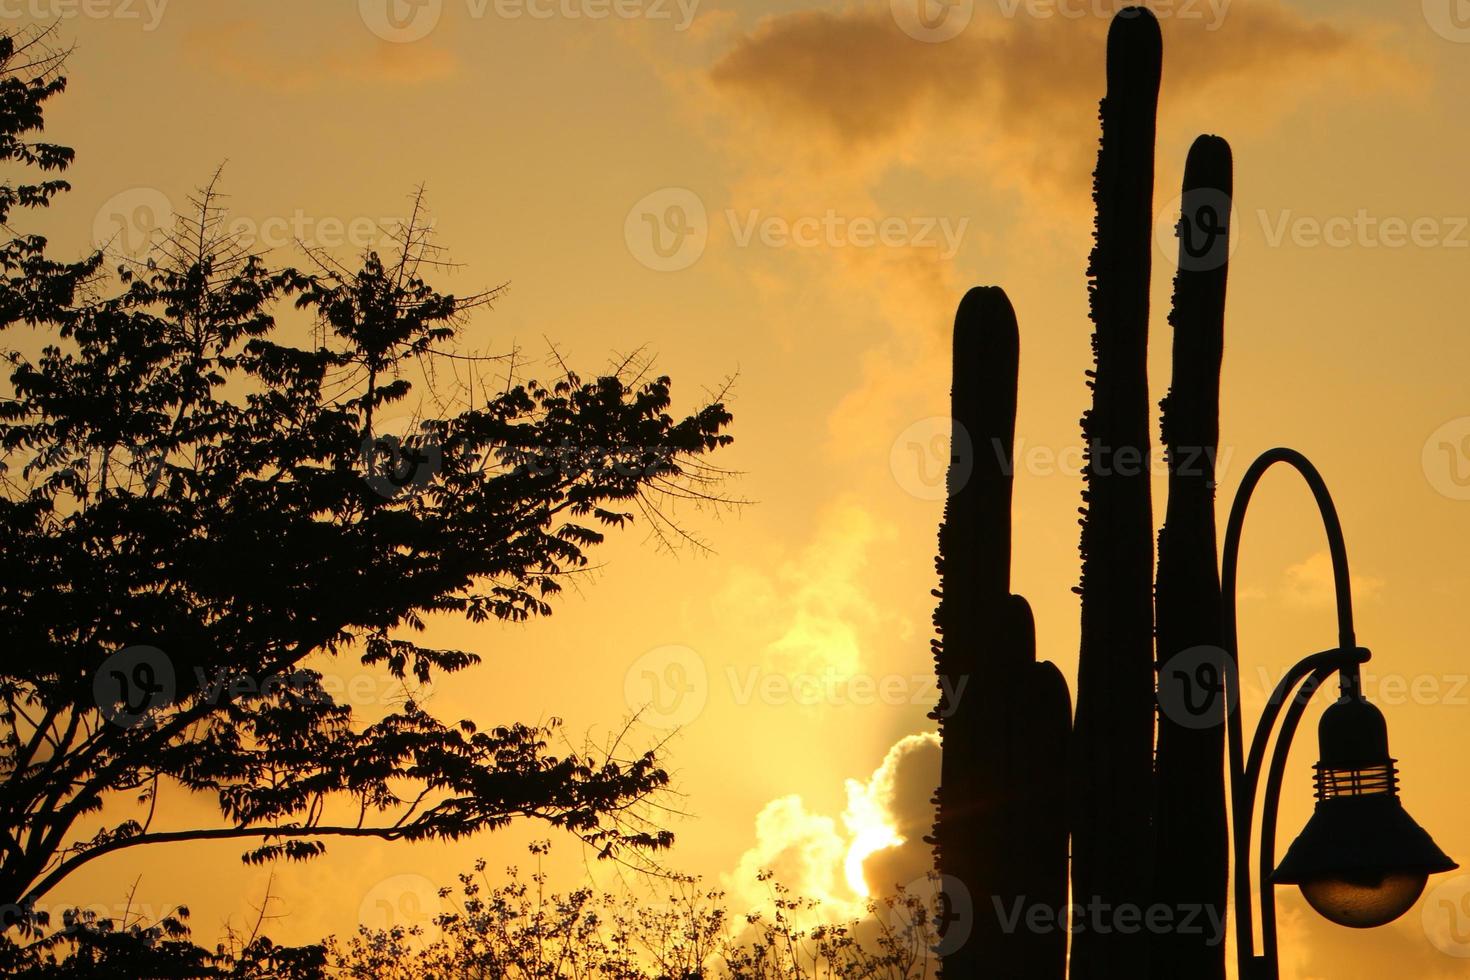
[
  {"x": 1000, "y": 835},
  {"x": 1112, "y": 761},
  {"x": 1193, "y": 848},
  {"x": 1146, "y": 830}
]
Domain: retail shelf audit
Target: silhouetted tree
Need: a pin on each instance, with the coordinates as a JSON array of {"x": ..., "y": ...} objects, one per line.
[
  {"x": 34, "y": 287},
  {"x": 1193, "y": 860},
  {"x": 1000, "y": 833},
  {"x": 1112, "y": 847},
  {"x": 90, "y": 947},
  {"x": 198, "y": 512}
]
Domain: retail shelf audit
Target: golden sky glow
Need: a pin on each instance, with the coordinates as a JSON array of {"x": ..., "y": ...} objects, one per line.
[{"x": 797, "y": 193}]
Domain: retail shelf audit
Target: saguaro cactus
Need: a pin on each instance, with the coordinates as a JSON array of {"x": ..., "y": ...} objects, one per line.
[
  {"x": 1112, "y": 762},
  {"x": 1193, "y": 847},
  {"x": 1000, "y": 836}
]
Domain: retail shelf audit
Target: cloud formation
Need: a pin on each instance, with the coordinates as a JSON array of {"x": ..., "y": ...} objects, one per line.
[
  {"x": 813, "y": 854},
  {"x": 1023, "y": 87},
  {"x": 802, "y": 850},
  {"x": 813, "y": 604},
  {"x": 875, "y": 846},
  {"x": 1310, "y": 583},
  {"x": 902, "y": 790}
]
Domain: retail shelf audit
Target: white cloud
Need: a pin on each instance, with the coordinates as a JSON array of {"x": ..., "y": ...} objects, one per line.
[
  {"x": 1310, "y": 583},
  {"x": 875, "y": 846},
  {"x": 814, "y": 603}
]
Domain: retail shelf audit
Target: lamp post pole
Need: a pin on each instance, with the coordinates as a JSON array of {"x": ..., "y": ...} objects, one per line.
[{"x": 1367, "y": 775}]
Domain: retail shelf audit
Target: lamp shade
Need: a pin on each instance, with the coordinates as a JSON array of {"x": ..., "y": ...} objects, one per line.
[{"x": 1361, "y": 860}]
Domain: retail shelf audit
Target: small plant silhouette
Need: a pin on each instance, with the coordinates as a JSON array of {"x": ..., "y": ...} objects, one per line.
[{"x": 519, "y": 930}]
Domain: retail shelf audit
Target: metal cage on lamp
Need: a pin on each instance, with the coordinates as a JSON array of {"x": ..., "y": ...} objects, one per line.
[{"x": 1361, "y": 861}]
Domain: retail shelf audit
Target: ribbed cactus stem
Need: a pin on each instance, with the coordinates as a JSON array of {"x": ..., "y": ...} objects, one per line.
[
  {"x": 1000, "y": 832},
  {"x": 1193, "y": 847},
  {"x": 1112, "y": 762}
]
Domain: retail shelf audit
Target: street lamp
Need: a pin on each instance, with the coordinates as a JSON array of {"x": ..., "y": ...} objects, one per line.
[{"x": 1361, "y": 861}]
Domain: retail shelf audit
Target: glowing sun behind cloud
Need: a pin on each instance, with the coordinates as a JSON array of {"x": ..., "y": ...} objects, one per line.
[
  {"x": 877, "y": 846},
  {"x": 867, "y": 821}
]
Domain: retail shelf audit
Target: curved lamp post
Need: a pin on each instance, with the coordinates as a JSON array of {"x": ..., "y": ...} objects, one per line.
[{"x": 1361, "y": 861}]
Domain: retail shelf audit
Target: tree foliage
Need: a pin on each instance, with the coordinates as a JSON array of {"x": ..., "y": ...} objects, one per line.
[
  {"x": 517, "y": 928},
  {"x": 520, "y": 931},
  {"x": 218, "y": 472}
]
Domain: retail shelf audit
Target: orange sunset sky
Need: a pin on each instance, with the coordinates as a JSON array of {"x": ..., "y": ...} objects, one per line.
[{"x": 796, "y": 194}]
